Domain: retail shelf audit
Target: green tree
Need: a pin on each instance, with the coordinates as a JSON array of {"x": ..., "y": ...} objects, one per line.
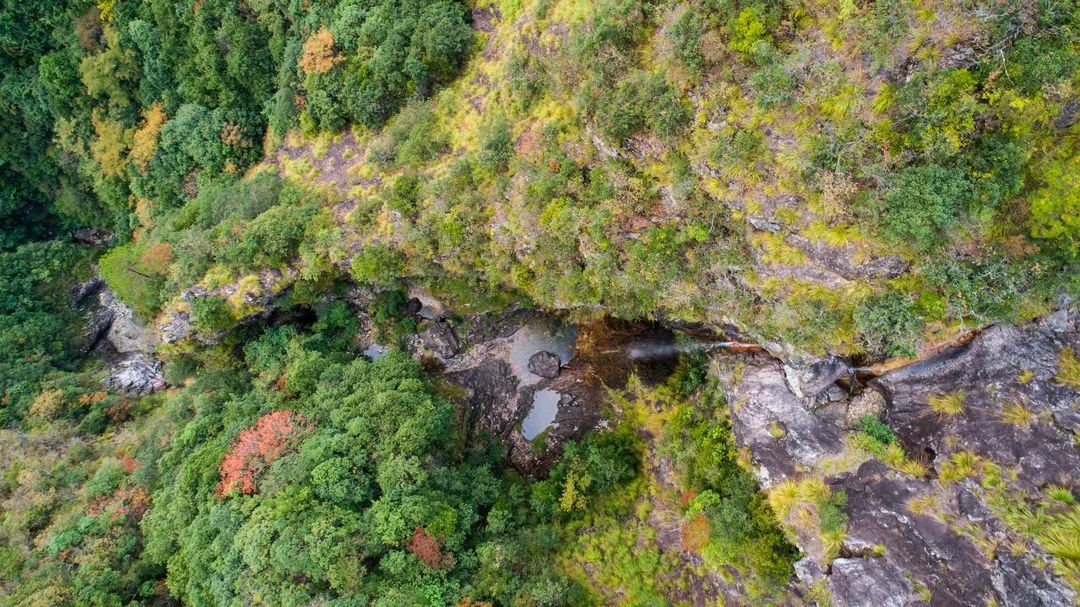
[{"x": 922, "y": 202}]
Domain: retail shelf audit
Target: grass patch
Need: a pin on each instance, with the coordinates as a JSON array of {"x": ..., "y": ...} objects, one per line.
[
  {"x": 1068, "y": 368},
  {"x": 947, "y": 404},
  {"x": 1015, "y": 414},
  {"x": 808, "y": 508},
  {"x": 961, "y": 465}
]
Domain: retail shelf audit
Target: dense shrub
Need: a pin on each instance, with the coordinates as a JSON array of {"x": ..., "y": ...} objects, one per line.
[
  {"x": 889, "y": 323},
  {"x": 1055, "y": 209},
  {"x": 922, "y": 202},
  {"x": 642, "y": 100},
  {"x": 211, "y": 314}
]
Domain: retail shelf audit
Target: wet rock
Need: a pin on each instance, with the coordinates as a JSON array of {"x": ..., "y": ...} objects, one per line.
[
  {"x": 412, "y": 307},
  {"x": 812, "y": 380},
  {"x": 491, "y": 397},
  {"x": 440, "y": 338},
  {"x": 834, "y": 412},
  {"x": 430, "y": 307},
  {"x": 109, "y": 320},
  {"x": 489, "y": 326},
  {"x": 545, "y": 364},
  {"x": 865, "y": 582},
  {"x": 136, "y": 375}
]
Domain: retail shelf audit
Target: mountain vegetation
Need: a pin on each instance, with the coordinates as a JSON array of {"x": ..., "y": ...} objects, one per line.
[{"x": 863, "y": 179}]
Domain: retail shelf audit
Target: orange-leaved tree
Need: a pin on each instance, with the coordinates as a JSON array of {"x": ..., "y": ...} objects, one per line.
[{"x": 274, "y": 435}]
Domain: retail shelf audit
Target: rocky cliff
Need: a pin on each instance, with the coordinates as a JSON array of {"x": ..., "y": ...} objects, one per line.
[{"x": 967, "y": 498}]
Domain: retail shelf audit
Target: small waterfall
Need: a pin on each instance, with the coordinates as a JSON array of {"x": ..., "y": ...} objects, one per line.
[{"x": 655, "y": 351}]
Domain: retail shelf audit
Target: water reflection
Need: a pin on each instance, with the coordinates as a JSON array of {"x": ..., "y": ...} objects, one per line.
[{"x": 545, "y": 407}]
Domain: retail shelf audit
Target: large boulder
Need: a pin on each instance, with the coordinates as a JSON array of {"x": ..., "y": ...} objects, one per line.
[{"x": 545, "y": 364}]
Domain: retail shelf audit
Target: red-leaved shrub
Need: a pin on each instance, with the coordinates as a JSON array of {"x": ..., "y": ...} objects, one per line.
[
  {"x": 427, "y": 548},
  {"x": 274, "y": 435},
  {"x": 694, "y": 533}
]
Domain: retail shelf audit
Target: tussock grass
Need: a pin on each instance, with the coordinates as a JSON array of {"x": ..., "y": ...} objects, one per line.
[
  {"x": 1068, "y": 368},
  {"x": 947, "y": 404},
  {"x": 923, "y": 504},
  {"x": 1062, "y": 536},
  {"x": 961, "y": 465},
  {"x": 1015, "y": 414}
]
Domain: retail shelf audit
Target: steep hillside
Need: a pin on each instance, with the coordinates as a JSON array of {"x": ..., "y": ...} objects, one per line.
[{"x": 539, "y": 303}]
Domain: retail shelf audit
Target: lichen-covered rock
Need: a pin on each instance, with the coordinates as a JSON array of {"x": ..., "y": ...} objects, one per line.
[
  {"x": 862, "y": 582},
  {"x": 175, "y": 326},
  {"x": 783, "y": 435},
  {"x": 922, "y": 540},
  {"x": 136, "y": 375}
]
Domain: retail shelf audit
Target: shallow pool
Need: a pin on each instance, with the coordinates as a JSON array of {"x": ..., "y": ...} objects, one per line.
[{"x": 545, "y": 407}]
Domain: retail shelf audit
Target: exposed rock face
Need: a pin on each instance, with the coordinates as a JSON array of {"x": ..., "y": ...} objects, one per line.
[
  {"x": 1003, "y": 367},
  {"x": 857, "y": 582},
  {"x": 491, "y": 395},
  {"x": 440, "y": 338},
  {"x": 175, "y": 326},
  {"x": 918, "y": 540},
  {"x": 83, "y": 291},
  {"x": 249, "y": 298},
  {"x": 545, "y": 364},
  {"x": 781, "y": 431},
  {"x": 97, "y": 237},
  {"x": 842, "y": 260},
  {"x": 136, "y": 375},
  {"x": 116, "y": 335},
  {"x": 126, "y": 332},
  {"x": 812, "y": 380},
  {"x": 1069, "y": 114},
  {"x": 492, "y": 366}
]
